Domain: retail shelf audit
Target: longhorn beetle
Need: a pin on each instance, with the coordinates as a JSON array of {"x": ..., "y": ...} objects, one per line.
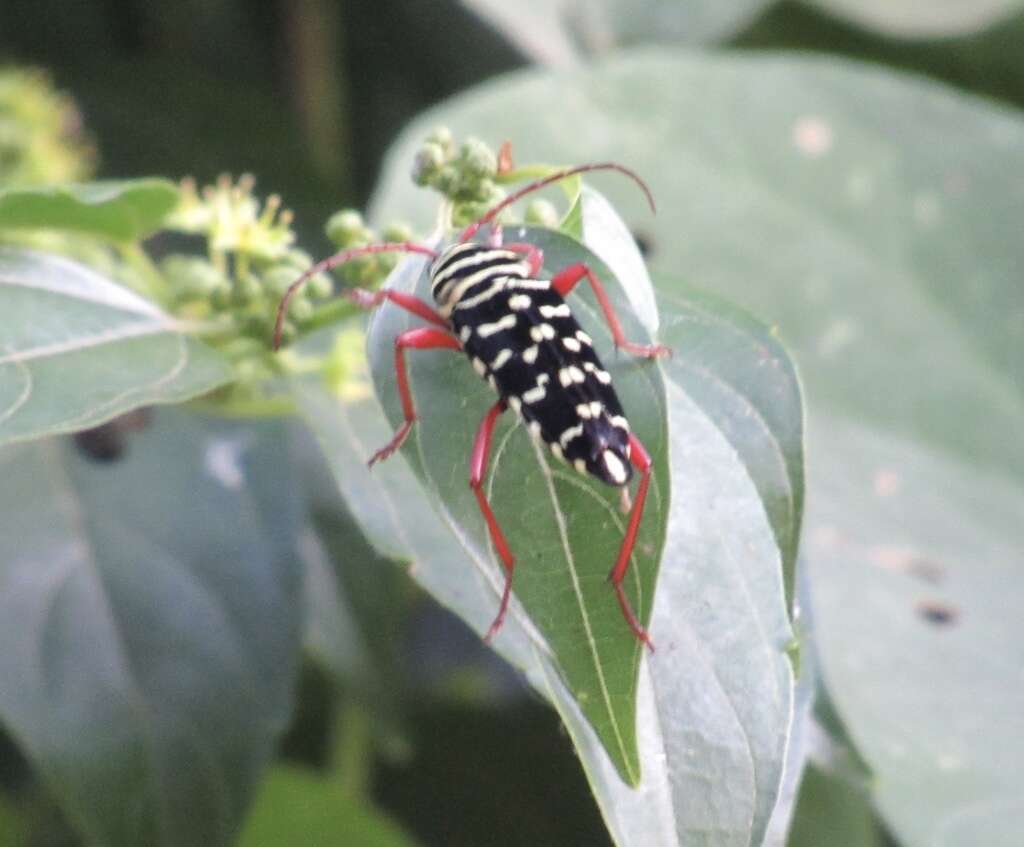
[{"x": 521, "y": 336}]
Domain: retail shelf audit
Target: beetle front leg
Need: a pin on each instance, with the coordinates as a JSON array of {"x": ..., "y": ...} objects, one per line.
[
  {"x": 372, "y": 299},
  {"x": 566, "y": 280},
  {"x": 417, "y": 339}
]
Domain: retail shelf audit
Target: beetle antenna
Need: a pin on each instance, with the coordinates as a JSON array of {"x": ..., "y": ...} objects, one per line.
[
  {"x": 492, "y": 213},
  {"x": 333, "y": 262}
]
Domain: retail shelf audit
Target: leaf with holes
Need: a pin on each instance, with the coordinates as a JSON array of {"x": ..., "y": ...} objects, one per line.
[
  {"x": 126, "y": 210},
  {"x": 76, "y": 349},
  {"x": 870, "y": 215}
]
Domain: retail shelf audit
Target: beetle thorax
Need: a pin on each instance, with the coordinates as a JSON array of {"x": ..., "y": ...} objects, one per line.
[{"x": 468, "y": 270}]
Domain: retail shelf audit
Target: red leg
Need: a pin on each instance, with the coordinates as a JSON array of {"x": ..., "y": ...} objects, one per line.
[
  {"x": 642, "y": 462},
  {"x": 477, "y": 470},
  {"x": 418, "y": 339},
  {"x": 370, "y": 299},
  {"x": 566, "y": 280}
]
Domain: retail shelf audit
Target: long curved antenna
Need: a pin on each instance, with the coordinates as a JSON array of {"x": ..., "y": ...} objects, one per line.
[
  {"x": 472, "y": 229},
  {"x": 340, "y": 259}
]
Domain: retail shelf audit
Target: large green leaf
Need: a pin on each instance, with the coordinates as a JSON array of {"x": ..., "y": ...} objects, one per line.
[
  {"x": 76, "y": 349},
  {"x": 125, "y": 210},
  {"x": 713, "y": 704},
  {"x": 149, "y": 623},
  {"x": 875, "y": 218},
  {"x": 560, "y": 32},
  {"x": 923, "y": 18}
]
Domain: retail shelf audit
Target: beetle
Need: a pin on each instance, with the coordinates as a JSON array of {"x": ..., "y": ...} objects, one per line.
[{"x": 522, "y": 338}]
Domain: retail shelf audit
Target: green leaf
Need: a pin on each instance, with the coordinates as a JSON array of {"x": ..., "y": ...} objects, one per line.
[
  {"x": 736, "y": 370},
  {"x": 122, "y": 210},
  {"x": 922, "y": 18},
  {"x": 561, "y": 33},
  {"x": 715, "y": 699},
  {"x": 76, "y": 349},
  {"x": 297, "y": 807},
  {"x": 871, "y": 216},
  {"x": 149, "y": 623}
]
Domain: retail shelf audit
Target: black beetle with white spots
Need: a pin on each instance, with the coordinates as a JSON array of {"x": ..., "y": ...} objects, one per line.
[{"x": 520, "y": 335}]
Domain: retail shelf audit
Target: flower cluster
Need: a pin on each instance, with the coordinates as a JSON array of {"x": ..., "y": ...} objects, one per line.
[
  {"x": 466, "y": 176},
  {"x": 250, "y": 260}
]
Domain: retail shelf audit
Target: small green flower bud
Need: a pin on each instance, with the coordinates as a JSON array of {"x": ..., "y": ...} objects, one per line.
[
  {"x": 442, "y": 137},
  {"x": 345, "y": 228},
  {"x": 248, "y": 289},
  {"x": 297, "y": 259},
  {"x": 398, "y": 232},
  {"x": 192, "y": 276},
  {"x": 221, "y": 297},
  {"x": 542, "y": 213},
  {"x": 447, "y": 180},
  {"x": 428, "y": 162},
  {"x": 300, "y": 310},
  {"x": 320, "y": 287},
  {"x": 478, "y": 160},
  {"x": 466, "y": 213},
  {"x": 277, "y": 279}
]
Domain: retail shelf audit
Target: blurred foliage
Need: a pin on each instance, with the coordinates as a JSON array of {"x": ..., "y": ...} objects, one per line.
[{"x": 42, "y": 138}]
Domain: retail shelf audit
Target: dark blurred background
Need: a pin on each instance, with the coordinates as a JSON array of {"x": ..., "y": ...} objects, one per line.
[{"x": 307, "y": 95}]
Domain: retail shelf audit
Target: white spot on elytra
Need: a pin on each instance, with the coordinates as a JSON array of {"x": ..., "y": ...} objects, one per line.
[
  {"x": 487, "y": 330},
  {"x": 571, "y": 344},
  {"x": 583, "y": 411},
  {"x": 586, "y": 339},
  {"x": 613, "y": 464},
  {"x": 516, "y": 404},
  {"x": 559, "y": 311},
  {"x": 535, "y": 394},
  {"x": 530, "y": 354},
  {"x": 519, "y": 301},
  {"x": 567, "y": 376},
  {"x": 540, "y": 332},
  {"x": 501, "y": 358},
  {"x": 571, "y": 433},
  {"x": 580, "y": 465},
  {"x": 812, "y": 136},
  {"x": 479, "y": 366},
  {"x": 465, "y": 333}
]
